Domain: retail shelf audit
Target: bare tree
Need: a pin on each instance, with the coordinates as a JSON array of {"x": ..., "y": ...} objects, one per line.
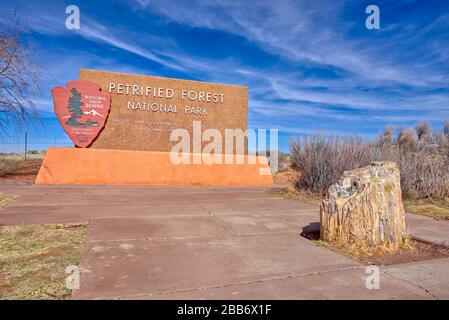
[{"x": 18, "y": 79}]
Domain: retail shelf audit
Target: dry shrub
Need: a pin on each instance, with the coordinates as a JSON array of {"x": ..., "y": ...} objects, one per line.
[
  {"x": 5, "y": 168},
  {"x": 321, "y": 159},
  {"x": 3, "y": 171},
  {"x": 424, "y": 132},
  {"x": 407, "y": 138},
  {"x": 424, "y": 174}
]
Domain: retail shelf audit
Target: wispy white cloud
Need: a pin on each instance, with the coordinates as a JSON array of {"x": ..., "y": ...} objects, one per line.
[
  {"x": 396, "y": 75},
  {"x": 97, "y": 32},
  {"x": 305, "y": 31}
]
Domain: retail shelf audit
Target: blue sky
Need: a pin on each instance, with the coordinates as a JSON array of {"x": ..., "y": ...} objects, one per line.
[{"x": 309, "y": 65}]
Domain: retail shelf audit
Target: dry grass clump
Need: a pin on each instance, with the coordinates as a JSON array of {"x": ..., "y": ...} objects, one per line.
[
  {"x": 422, "y": 156},
  {"x": 14, "y": 163},
  {"x": 438, "y": 209},
  {"x": 33, "y": 260},
  {"x": 16, "y": 157},
  {"x": 3, "y": 170},
  {"x": 4, "y": 200}
]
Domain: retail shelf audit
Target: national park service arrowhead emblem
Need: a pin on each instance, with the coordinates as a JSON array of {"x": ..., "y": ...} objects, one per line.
[{"x": 82, "y": 109}]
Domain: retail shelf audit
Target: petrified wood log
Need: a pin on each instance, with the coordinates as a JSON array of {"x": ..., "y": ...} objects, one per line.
[{"x": 365, "y": 207}]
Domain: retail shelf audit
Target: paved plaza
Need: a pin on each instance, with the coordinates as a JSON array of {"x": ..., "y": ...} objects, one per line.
[{"x": 214, "y": 243}]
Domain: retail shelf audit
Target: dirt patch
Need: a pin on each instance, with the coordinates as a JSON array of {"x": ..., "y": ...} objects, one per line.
[
  {"x": 33, "y": 260},
  {"x": 25, "y": 170},
  {"x": 417, "y": 251},
  {"x": 411, "y": 251},
  {"x": 21, "y": 177},
  {"x": 284, "y": 177}
]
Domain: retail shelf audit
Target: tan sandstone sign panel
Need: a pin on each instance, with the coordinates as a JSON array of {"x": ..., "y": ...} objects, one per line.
[{"x": 146, "y": 109}]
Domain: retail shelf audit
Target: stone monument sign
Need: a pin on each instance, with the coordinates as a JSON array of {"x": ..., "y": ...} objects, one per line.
[
  {"x": 146, "y": 109},
  {"x": 127, "y": 128}
]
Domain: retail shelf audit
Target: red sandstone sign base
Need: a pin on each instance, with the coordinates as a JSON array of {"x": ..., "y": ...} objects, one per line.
[{"x": 124, "y": 167}]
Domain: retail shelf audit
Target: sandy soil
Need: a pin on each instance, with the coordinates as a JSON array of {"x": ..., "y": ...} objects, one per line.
[{"x": 23, "y": 170}]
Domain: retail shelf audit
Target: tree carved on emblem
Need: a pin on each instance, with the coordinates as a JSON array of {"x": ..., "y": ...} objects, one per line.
[{"x": 76, "y": 112}]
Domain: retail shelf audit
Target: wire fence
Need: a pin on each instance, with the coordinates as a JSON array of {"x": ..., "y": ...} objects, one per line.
[{"x": 31, "y": 144}]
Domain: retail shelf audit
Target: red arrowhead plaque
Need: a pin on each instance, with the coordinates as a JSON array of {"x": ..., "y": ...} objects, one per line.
[{"x": 82, "y": 109}]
